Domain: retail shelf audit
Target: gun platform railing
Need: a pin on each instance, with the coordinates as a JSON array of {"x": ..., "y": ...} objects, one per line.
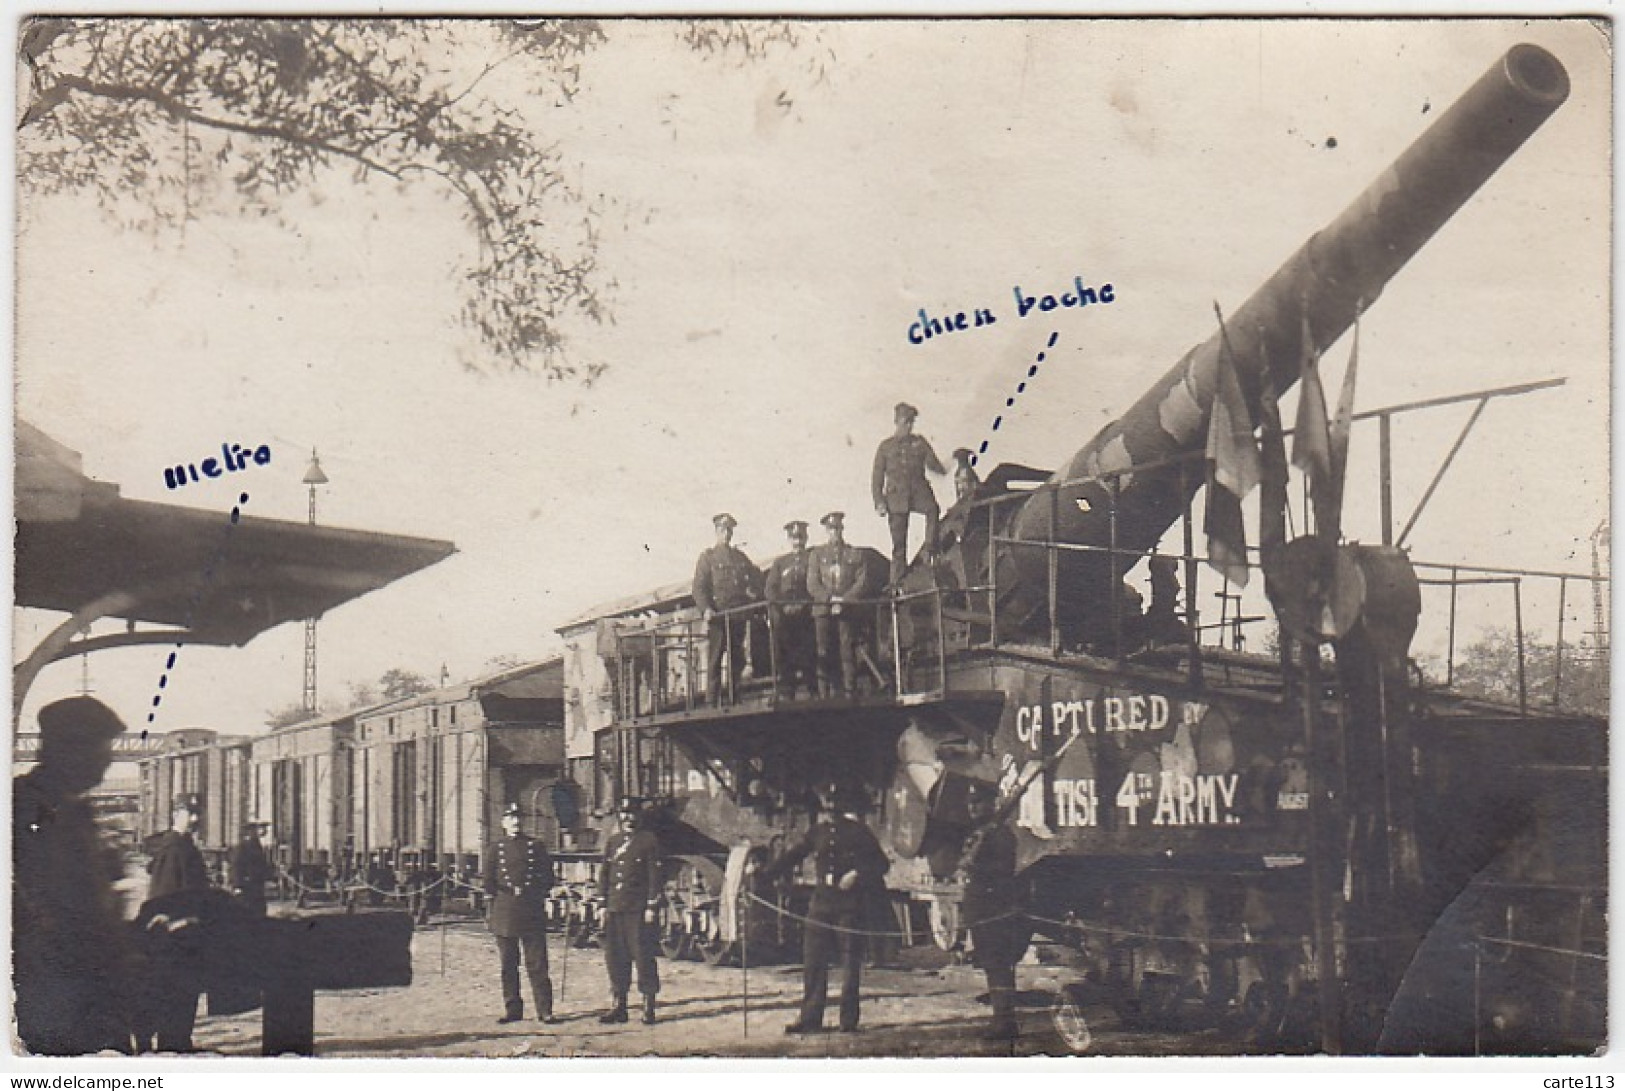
[{"x": 902, "y": 642}]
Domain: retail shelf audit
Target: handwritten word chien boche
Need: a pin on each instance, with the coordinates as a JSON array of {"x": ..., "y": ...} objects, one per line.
[
  {"x": 232, "y": 458},
  {"x": 926, "y": 327}
]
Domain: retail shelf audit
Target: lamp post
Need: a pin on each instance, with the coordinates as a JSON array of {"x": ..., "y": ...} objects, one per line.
[{"x": 313, "y": 477}]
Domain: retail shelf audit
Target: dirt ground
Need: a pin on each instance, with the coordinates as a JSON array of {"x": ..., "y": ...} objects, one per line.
[{"x": 923, "y": 1006}]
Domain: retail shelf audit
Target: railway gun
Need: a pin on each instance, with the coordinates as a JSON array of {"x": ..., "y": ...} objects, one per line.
[{"x": 1220, "y": 837}]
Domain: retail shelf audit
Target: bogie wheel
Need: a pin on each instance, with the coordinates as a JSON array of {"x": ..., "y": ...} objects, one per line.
[
  {"x": 578, "y": 932},
  {"x": 675, "y": 942},
  {"x": 716, "y": 951},
  {"x": 1265, "y": 1009},
  {"x": 945, "y": 924},
  {"x": 1079, "y": 1015}
]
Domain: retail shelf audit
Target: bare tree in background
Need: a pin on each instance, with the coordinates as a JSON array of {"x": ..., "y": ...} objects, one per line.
[{"x": 173, "y": 118}]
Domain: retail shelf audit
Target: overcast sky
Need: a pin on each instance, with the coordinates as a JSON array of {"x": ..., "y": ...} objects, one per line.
[{"x": 769, "y": 260}]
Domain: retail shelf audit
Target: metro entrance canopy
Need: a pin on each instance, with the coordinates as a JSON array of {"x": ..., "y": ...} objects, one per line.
[{"x": 83, "y": 550}]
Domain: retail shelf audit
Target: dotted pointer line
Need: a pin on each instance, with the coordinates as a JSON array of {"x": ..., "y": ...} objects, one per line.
[
  {"x": 1021, "y": 388},
  {"x": 191, "y": 607}
]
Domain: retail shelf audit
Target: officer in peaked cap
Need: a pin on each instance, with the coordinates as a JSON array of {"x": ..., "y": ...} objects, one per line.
[
  {"x": 518, "y": 879},
  {"x": 72, "y": 969},
  {"x": 836, "y": 574},
  {"x": 248, "y": 869},
  {"x": 724, "y": 580},
  {"x": 794, "y": 646},
  {"x": 630, "y": 883},
  {"x": 849, "y": 866},
  {"x": 999, "y": 933},
  {"x": 172, "y": 920},
  {"x": 899, "y": 486}
]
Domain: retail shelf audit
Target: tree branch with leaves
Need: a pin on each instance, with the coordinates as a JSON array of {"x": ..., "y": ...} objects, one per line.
[{"x": 162, "y": 118}]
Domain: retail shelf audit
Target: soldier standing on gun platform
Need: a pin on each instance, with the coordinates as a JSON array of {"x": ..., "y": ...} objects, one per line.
[
  {"x": 835, "y": 573},
  {"x": 71, "y": 961},
  {"x": 518, "y": 877},
  {"x": 794, "y": 646},
  {"x": 997, "y": 933},
  {"x": 850, "y": 864},
  {"x": 630, "y": 884},
  {"x": 899, "y": 486},
  {"x": 724, "y": 579}
]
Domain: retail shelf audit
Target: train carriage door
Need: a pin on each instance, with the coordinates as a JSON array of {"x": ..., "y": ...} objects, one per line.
[{"x": 287, "y": 790}]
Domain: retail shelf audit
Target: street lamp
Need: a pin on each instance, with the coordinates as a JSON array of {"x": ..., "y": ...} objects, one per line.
[{"x": 313, "y": 477}]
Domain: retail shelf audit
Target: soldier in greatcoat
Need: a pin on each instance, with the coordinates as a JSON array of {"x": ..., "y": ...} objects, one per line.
[
  {"x": 899, "y": 485},
  {"x": 172, "y": 920},
  {"x": 725, "y": 579},
  {"x": 794, "y": 642},
  {"x": 72, "y": 968},
  {"x": 849, "y": 867},
  {"x": 629, "y": 881},
  {"x": 836, "y": 574},
  {"x": 518, "y": 879},
  {"x": 999, "y": 934}
]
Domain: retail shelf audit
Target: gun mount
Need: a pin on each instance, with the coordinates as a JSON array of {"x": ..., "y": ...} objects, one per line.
[{"x": 1128, "y": 485}]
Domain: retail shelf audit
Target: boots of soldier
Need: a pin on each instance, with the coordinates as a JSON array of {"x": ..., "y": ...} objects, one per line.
[
  {"x": 648, "y": 1007},
  {"x": 617, "y": 1014},
  {"x": 513, "y": 1014}
]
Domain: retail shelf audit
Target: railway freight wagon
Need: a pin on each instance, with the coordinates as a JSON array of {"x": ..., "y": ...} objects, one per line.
[
  {"x": 302, "y": 789},
  {"x": 1294, "y": 845},
  {"x": 199, "y": 762},
  {"x": 432, "y": 773}
]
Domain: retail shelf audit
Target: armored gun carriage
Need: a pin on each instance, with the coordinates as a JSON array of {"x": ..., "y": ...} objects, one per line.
[{"x": 1220, "y": 836}]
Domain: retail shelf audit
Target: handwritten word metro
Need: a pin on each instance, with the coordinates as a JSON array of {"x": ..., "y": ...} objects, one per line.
[{"x": 232, "y": 458}]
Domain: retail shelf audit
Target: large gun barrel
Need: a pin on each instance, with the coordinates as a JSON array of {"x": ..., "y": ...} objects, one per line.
[{"x": 1149, "y": 452}]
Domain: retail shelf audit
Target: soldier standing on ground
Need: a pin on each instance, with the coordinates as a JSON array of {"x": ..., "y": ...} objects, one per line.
[
  {"x": 899, "y": 486},
  {"x": 71, "y": 968},
  {"x": 850, "y": 864},
  {"x": 172, "y": 917},
  {"x": 249, "y": 869},
  {"x": 998, "y": 936},
  {"x": 724, "y": 579},
  {"x": 835, "y": 573},
  {"x": 794, "y": 645},
  {"x": 630, "y": 884},
  {"x": 518, "y": 878}
]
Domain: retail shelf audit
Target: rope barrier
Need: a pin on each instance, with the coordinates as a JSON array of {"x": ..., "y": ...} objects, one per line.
[
  {"x": 1211, "y": 941},
  {"x": 362, "y": 884},
  {"x": 1123, "y": 933},
  {"x": 781, "y": 911}
]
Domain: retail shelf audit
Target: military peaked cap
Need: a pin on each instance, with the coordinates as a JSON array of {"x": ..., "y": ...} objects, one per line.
[
  {"x": 75, "y": 718},
  {"x": 187, "y": 801},
  {"x": 834, "y": 519},
  {"x": 796, "y": 527},
  {"x": 905, "y": 410},
  {"x": 964, "y": 455},
  {"x": 723, "y": 519},
  {"x": 511, "y": 811}
]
